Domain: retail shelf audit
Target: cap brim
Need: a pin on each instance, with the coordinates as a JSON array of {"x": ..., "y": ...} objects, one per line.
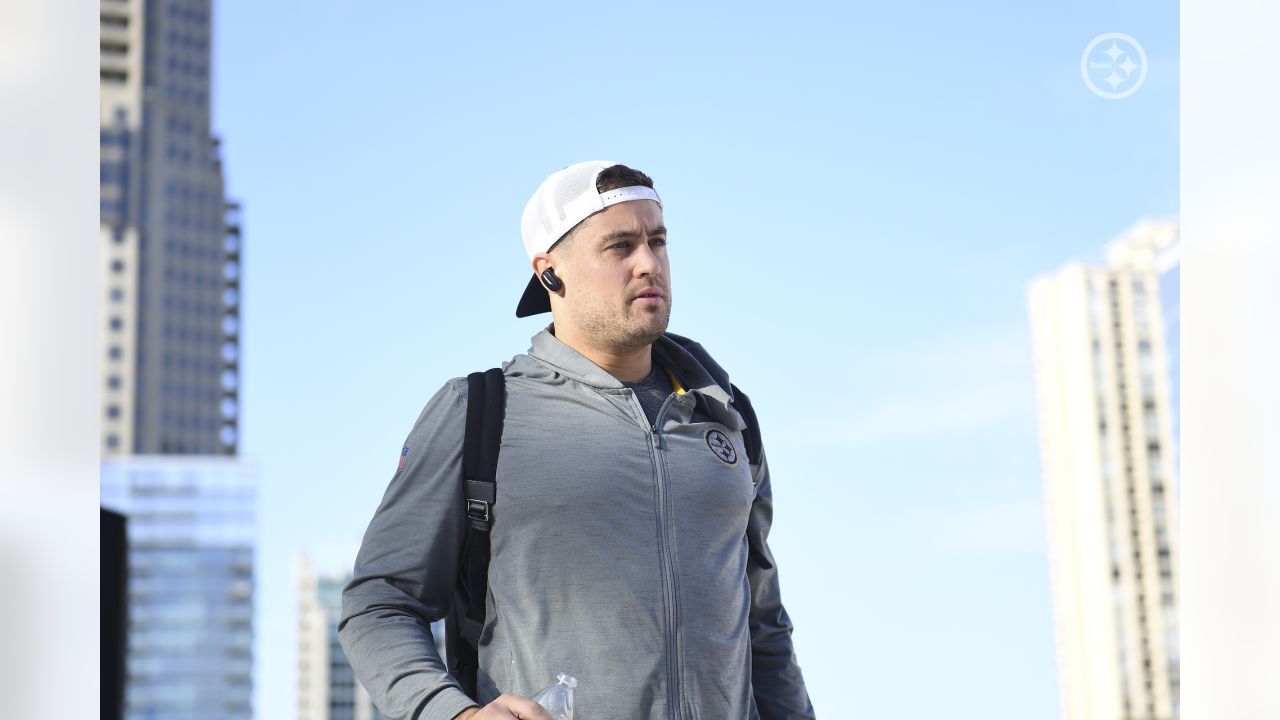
[{"x": 535, "y": 299}]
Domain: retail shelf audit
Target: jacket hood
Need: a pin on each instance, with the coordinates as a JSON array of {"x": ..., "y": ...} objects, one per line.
[{"x": 690, "y": 362}]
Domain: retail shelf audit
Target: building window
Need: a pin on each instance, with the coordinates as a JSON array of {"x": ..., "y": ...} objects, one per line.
[
  {"x": 115, "y": 352},
  {"x": 117, "y": 323},
  {"x": 113, "y": 411},
  {"x": 117, "y": 266},
  {"x": 113, "y": 442},
  {"x": 113, "y": 382},
  {"x": 117, "y": 294}
]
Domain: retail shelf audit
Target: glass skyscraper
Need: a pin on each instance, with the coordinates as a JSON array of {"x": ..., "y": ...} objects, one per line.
[{"x": 191, "y": 543}]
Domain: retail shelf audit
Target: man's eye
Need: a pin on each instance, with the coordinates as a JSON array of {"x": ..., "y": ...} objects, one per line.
[{"x": 658, "y": 241}]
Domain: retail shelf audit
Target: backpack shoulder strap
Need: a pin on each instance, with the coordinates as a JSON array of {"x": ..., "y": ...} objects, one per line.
[
  {"x": 751, "y": 435},
  {"x": 486, "y": 408},
  {"x": 486, "y": 411}
]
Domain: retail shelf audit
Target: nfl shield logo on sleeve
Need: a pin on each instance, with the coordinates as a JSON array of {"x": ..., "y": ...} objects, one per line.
[{"x": 404, "y": 457}]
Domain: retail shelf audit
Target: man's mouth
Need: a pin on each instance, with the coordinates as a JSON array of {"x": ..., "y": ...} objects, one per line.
[{"x": 648, "y": 296}]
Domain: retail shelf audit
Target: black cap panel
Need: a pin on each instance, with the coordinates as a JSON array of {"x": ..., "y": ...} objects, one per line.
[{"x": 535, "y": 299}]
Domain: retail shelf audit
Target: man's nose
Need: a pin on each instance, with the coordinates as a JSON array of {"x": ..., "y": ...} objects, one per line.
[{"x": 647, "y": 262}]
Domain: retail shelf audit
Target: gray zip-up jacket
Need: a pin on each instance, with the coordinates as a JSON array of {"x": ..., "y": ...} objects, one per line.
[{"x": 629, "y": 556}]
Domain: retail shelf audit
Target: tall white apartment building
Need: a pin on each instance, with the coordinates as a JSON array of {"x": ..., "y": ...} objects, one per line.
[{"x": 1107, "y": 422}]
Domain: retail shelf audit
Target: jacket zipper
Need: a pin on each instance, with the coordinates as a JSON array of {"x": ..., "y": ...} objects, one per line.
[{"x": 668, "y": 574}]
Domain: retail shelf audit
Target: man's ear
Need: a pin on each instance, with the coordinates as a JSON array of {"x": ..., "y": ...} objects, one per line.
[{"x": 541, "y": 261}]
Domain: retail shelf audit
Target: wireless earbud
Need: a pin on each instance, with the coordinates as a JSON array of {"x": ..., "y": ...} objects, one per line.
[{"x": 550, "y": 280}]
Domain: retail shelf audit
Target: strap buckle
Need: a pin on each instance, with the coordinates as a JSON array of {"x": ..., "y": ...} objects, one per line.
[{"x": 478, "y": 510}]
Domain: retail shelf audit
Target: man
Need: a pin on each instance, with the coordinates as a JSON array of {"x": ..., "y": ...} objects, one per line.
[{"x": 628, "y": 539}]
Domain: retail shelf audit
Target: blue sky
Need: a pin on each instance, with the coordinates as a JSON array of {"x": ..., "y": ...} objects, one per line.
[{"x": 856, "y": 198}]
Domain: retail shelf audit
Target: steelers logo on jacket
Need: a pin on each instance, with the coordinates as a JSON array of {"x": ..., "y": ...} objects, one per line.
[{"x": 722, "y": 447}]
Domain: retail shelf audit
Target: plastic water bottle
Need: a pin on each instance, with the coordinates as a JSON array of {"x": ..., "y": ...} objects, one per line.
[{"x": 557, "y": 697}]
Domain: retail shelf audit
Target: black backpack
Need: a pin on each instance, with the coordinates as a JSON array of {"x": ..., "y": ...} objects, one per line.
[{"x": 486, "y": 410}]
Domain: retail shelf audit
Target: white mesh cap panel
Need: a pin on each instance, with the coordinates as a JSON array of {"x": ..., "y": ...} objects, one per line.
[{"x": 556, "y": 202}]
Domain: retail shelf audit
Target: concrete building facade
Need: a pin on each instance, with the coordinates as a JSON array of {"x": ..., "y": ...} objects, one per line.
[
  {"x": 170, "y": 239},
  {"x": 327, "y": 686}
]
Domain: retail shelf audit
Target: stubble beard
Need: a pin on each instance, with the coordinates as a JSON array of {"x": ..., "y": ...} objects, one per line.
[{"x": 631, "y": 329}]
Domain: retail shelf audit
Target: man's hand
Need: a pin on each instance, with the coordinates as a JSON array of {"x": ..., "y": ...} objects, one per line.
[{"x": 506, "y": 707}]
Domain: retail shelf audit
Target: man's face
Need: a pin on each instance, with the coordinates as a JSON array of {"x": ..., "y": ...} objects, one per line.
[{"x": 617, "y": 278}]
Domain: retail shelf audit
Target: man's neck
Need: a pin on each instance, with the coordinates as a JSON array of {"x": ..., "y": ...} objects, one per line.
[{"x": 629, "y": 365}]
